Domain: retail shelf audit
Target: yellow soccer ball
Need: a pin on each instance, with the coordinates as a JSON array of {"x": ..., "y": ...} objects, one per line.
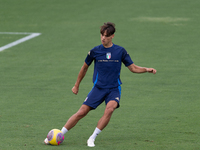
[{"x": 55, "y": 137}]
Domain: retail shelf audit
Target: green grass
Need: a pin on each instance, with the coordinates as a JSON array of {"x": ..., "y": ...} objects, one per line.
[{"x": 158, "y": 112}]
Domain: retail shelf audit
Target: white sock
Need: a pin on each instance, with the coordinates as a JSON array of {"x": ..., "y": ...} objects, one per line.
[
  {"x": 95, "y": 133},
  {"x": 64, "y": 130}
]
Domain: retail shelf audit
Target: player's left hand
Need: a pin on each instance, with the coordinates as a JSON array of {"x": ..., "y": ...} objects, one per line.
[{"x": 151, "y": 70}]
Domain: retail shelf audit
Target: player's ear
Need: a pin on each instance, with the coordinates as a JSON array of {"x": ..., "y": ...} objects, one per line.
[{"x": 112, "y": 36}]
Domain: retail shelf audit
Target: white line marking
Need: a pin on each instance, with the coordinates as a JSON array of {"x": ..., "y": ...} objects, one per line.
[{"x": 30, "y": 36}]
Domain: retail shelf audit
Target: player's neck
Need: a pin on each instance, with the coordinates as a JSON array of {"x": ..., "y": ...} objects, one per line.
[{"x": 108, "y": 45}]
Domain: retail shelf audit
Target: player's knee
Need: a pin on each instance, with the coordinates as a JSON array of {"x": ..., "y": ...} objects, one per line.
[
  {"x": 109, "y": 110},
  {"x": 111, "y": 107},
  {"x": 82, "y": 113}
]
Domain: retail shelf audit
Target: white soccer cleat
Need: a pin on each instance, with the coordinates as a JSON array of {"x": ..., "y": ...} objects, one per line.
[
  {"x": 90, "y": 142},
  {"x": 46, "y": 141}
]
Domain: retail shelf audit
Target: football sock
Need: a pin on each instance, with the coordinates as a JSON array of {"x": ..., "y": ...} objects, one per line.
[
  {"x": 95, "y": 133},
  {"x": 64, "y": 130}
]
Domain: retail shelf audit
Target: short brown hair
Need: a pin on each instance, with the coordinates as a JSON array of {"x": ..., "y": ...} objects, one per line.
[{"x": 109, "y": 27}]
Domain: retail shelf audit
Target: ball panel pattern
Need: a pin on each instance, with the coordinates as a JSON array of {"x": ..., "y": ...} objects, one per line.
[{"x": 50, "y": 135}]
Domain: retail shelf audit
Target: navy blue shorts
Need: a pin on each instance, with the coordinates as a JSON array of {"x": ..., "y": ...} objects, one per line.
[{"x": 98, "y": 95}]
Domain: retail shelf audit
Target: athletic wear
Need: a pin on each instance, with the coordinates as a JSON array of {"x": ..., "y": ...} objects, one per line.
[
  {"x": 96, "y": 132},
  {"x": 106, "y": 77},
  {"x": 46, "y": 141},
  {"x": 107, "y": 65},
  {"x": 98, "y": 95},
  {"x": 90, "y": 142},
  {"x": 64, "y": 130}
]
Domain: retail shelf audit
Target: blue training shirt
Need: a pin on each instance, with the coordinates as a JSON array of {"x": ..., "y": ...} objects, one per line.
[{"x": 107, "y": 65}]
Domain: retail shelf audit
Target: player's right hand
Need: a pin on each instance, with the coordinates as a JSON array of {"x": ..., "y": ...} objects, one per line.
[{"x": 75, "y": 90}]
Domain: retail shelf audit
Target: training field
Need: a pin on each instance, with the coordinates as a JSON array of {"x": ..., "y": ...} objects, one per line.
[{"x": 43, "y": 44}]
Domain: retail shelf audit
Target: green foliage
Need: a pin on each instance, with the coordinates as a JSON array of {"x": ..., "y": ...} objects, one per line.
[{"x": 157, "y": 111}]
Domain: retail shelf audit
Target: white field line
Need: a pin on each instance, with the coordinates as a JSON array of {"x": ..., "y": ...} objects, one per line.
[{"x": 30, "y": 36}]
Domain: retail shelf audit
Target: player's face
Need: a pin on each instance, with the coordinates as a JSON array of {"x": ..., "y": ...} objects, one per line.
[{"x": 106, "y": 40}]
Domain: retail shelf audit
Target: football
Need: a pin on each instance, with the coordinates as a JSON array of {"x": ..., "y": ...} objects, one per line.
[{"x": 55, "y": 137}]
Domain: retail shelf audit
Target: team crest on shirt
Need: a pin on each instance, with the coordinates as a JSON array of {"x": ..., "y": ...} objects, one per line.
[{"x": 108, "y": 55}]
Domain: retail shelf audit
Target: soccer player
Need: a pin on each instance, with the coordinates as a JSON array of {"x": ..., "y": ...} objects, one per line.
[{"x": 108, "y": 59}]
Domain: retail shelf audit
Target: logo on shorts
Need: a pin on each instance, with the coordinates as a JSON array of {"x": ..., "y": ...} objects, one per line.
[
  {"x": 108, "y": 55},
  {"x": 117, "y": 98},
  {"x": 86, "y": 99}
]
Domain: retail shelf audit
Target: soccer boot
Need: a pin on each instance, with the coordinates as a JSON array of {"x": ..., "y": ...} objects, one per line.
[
  {"x": 46, "y": 141},
  {"x": 90, "y": 142}
]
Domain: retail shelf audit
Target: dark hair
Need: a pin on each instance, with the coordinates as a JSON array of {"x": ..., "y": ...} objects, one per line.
[{"x": 109, "y": 27}]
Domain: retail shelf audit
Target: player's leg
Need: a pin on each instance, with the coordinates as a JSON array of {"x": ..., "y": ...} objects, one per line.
[
  {"x": 103, "y": 122},
  {"x": 110, "y": 107},
  {"x": 93, "y": 99},
  {"x": 73, "y": 120},
  {"x": 112, "y": 102}
]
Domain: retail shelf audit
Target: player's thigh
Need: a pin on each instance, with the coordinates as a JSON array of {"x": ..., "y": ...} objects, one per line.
[{"x": 110, "y": 107}]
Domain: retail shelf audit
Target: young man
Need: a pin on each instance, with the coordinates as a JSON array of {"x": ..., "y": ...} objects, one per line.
[{"x": 108, "y": 58}]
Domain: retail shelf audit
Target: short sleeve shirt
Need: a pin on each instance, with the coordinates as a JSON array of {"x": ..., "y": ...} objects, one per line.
[{"x": 107, "y": 65}]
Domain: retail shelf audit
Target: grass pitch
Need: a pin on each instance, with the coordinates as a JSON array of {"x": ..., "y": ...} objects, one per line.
[{"x": 157, "y": 111}]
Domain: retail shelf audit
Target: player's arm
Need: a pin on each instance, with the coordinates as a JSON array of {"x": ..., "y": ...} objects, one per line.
[
  {"x": 81, "y": 75},
  {"x": 137, "y": 69}
]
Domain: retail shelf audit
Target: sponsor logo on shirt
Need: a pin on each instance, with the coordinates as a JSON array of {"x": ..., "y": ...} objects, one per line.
[
  {"x": 108, "y": 55},
  {"x": 108, "y": 60}
]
